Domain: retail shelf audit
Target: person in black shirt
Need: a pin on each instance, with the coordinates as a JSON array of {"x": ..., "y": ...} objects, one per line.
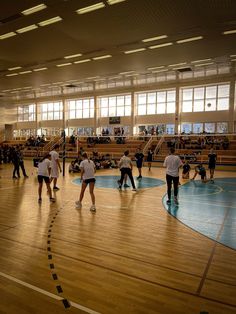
[
  {"x": 150, "y": 158},
  {"x": 186, "y": 170},
  {"x": 212, "y": 163},
  {"x": 139, "y": 162},
  {"x": 200, "y": 169}
]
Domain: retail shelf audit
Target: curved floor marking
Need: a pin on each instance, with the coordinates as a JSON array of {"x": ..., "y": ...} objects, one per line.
[
  {"x": 111, "y": 182},
  {"x": 205, "y": 207}
]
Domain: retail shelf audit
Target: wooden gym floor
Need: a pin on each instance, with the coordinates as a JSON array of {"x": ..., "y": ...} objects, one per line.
[{"x": 129, "y": 257}]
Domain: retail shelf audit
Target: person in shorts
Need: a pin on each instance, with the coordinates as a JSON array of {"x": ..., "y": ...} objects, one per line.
[
  {"x": 44, "y": 170},
  {"x": 88, "y": 169},
  {"x": 55, "y": 166}
]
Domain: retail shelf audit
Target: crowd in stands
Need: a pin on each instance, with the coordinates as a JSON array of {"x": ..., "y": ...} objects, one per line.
[
  {"x": 202, "y": 142},
  {"x": 35, "y": 141}
]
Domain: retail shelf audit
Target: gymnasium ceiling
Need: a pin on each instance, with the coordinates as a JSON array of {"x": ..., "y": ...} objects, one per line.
[{"x": 111, "y": 30}]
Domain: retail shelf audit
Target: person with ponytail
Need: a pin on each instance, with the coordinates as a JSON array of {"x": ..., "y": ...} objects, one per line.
[
  {"x": 88, "y": 169},
  {"x": 44, "y": 171}
]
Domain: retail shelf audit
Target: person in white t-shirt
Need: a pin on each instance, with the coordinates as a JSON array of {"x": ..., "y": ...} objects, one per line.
[
  {"x": 44, "y": 170},
  {"x": 125, "y": 165},
  {"x": 55, "y": 167},
  {"x": 172, "y": 164},
  {"x": 88, "y": 169}
]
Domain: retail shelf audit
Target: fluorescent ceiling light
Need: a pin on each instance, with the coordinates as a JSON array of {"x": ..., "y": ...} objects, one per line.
[
  {"x": 73, "y": 56},
  {"x": 102, "y": 57},
  {"x": 232, "y": 56},
  {"x": 129, "y": 75},
  {"x": 57, "y": 83},
  {"x": 203, "y": 64},
  {"x": 92, "y": 78},
  {"x": 50, "y": 21},
  {"x": 7, "y": 35},
  {"x": 160, "y": 46},
  {"x": 155, "y": 68},
  {"x": 34, "y": 9},
  {"x": 203, "y": 60},
  {"x": 12, "y": 74},
  {"x": 25, "y": 72},
  {"x": 45, "y": 84},
  {"x": 233, "y": 60},
  {"x": 154, "y": 38},
  {"x": 26, "y": 29},
  {"x": 63, "y": 64},
  {"x": 114, "y": 78},
  {"x": 127, "y": 72},
  {"x": 232, "y": 31},
  {"x": 177, "y": 64},
  {"x": 82, "y": 61},
  {"x": 111, "y": 2},
  {"x": 39, "y": 69},
  {"x": 90, "y": 8},
  {"x": 135, "y": 50},
  {"x": 27, "y": 87},
  {"x": 186, "y": 40},
  {"x": 15, "y": 68}
]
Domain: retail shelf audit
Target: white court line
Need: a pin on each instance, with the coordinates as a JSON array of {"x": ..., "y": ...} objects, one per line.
[
  {"x": 203, "y": 203},
  {"x": 49, "y": 294}
]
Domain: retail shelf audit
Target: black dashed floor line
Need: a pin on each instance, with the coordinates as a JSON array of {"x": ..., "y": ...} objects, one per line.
[{"x": 52, "y": 267}]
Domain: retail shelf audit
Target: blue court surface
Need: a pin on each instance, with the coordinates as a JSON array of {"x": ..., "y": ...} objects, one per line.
[
  {"x": 209, "y": 208},
  {"x": 111, "y": 182}
]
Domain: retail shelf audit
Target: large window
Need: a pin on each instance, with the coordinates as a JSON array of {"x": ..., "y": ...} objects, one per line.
[
  {"x": 205, "y": 98},
  {"x": 81, "y": 108},
  {"x": 208, "y": 127},
  {"x": 115, "y": 106},
  {"x": 51, "y": 111},
  {"x": 158, "y": 102},
  {"x": 26, "y": 113}
]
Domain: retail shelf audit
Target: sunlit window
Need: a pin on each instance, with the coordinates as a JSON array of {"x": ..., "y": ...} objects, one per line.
[
  {"x": 26, "y": 113},
  {"x": 51, "y": 110},
  {"x": 158, "y": 102},
  {"x": 115, "y": 106},
  {"x": 205, "y": 98},
  {"x": 81, "y": 108}
]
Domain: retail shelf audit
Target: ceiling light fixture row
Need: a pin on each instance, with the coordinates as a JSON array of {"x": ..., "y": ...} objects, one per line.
[
  {"x": 31, "y": 27},
  {"x": 97, "y": 6}
]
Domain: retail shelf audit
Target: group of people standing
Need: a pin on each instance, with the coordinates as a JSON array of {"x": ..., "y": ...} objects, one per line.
[{"x": 49, "y": 167}]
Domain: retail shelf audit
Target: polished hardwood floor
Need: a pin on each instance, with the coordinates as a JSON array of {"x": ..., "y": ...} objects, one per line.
[{"x": 129, "y": 257}]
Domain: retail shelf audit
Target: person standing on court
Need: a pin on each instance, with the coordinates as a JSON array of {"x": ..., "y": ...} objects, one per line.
[
  {"x": 55, "y": 166},
  {"x": 139, "y": 162},
  {"x": 126, "y": 167},
  {"x": 150, "y": 158},
  {"x": 212, "y": 163},
  {"x": 172, "y": 164},
  {"x": 88, "y": 169}
]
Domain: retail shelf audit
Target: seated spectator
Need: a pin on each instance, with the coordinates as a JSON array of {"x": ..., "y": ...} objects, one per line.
[
  {"x": 74, "y": 166},
  {"x": 225, "y": 143}
]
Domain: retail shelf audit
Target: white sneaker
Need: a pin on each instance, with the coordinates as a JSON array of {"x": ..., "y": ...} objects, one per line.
[
  {"x": 78, "y": 204},
  {"x": 134, "y": 189},
  {"x": 93, "y": 208}
]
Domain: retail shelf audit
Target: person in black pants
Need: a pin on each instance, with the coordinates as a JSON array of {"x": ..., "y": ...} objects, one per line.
[
  {"x": 212, "y": 164},
  {"x": 126, "y": 167},
  {"x": 16, "y": 163},
  {"x": 21, "y": 162},
  {"x": 172, "y": 164},
  {"x": 139, "y": 162}
]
